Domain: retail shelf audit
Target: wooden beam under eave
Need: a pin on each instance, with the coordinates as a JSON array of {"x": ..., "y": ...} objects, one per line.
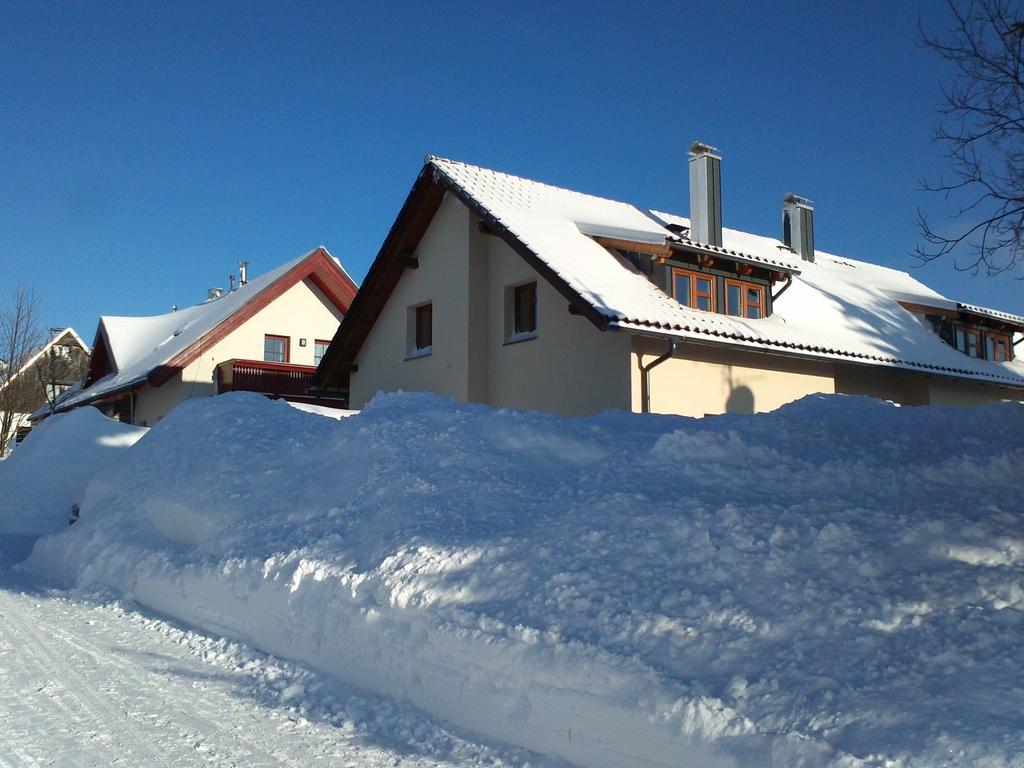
[
  {"x": 631, "y": 245},
  {"x": 941, "y": 312},
  {"x": 407, "y": 261}
]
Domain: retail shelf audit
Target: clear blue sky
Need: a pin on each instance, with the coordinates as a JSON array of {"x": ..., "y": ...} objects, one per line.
[{"x": 145, "y": 149}]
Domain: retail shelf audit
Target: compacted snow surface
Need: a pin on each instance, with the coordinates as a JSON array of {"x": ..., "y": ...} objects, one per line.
[{"x": 839, "y": 583}]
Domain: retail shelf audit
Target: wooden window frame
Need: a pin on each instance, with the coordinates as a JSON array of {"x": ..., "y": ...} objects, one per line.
[
  {"x": 326, "y": 344},
  {"x": 693, "y": 276},
  {"x": 745, "y": 286},
  {"x": 287, "y": 347},
  {"x": 1007, "y": 347}
]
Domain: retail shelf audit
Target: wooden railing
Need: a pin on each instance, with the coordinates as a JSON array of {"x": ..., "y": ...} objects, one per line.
[{"x": 274, "y": 379}]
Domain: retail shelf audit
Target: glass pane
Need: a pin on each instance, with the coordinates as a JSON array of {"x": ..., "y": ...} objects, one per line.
[
  {"x": 990, "y": 348},
  {"x": 683, "y": 289},
  {"x": 525, "y": 309},
  {"x": 753, "y": 302},
  {"x": 972, "y": 343},
  {"x": 273, "y": 350},
  {"x": 961, "y": 341},
  {"x": 319, "y": 350},
  {"x": 703, "y": 285},
  {"x": 704, "y": 302},
  {"x": 732, "y": 300},
  {"x": 424, "y": 332}
]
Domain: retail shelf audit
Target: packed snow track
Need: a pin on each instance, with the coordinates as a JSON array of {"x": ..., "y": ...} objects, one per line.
[{"x": 87, "y": 681}]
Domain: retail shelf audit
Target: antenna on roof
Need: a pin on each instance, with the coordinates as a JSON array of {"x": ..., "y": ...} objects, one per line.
[{"x": 243, "y": 272}]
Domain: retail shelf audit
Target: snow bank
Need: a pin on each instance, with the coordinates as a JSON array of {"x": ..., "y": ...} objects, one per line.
[
  {"x": 839, "y": 583},
  {"x": 50, "y": 469}
]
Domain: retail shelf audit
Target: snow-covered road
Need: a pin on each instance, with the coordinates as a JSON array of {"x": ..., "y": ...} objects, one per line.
[{"x": 88, "y": 681}]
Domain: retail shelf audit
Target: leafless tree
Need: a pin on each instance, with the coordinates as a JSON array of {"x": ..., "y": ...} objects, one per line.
[
  {"x": 982, "y": 132},
  {"x": 20, "y": 338},
  {"x": 56, "y": 370}
]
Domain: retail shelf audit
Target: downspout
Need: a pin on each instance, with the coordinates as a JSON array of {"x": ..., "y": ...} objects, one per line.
[
  {"x": 783, "y": 289},
  {"x": 645, "y": 375}
]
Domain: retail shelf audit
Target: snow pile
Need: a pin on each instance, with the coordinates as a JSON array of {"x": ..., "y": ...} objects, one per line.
[
  {"x": 839, "y": 583},
  {"x": 49, "y": 471}
]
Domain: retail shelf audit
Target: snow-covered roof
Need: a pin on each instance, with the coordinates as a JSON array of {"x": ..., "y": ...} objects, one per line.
[
  {"x": 55, "y": 338},
  {"x": 835, "y": 308},
  {"x": 137, "y": 346}
]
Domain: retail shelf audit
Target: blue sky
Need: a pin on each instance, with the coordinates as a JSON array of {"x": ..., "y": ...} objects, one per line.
[{"x": 145, "y": 149}]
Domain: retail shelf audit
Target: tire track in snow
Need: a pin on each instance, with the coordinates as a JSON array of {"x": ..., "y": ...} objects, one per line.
[
  {"x": 94, "y": 702},
  {"x": 81, "y": 709}
]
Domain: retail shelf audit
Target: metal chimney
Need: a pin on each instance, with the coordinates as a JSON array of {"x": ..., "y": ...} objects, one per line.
[
  {"x": 798, "y": 225},
  {"x": 243, "y": 272},
  {"x": 705, "y": 194}
]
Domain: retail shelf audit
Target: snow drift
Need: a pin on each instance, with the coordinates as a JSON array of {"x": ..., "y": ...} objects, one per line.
[
  {"x": 838, "y": 583},
  {"x": 51, "y": 468}
]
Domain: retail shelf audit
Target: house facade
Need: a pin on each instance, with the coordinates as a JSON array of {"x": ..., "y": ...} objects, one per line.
[
  {"x": 266, "y": 335},
  {"x": 496, "y": 289},
  {"x": 39, "y": 382}
]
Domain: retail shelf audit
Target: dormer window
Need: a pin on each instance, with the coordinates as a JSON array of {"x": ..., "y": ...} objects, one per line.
[
  {"x": 743, "y": 299},
  {"x": 707, "y": 278},
  {"x": 997, "y": 347},
  {"x": 968, "y": 341},
  {"x": 694, "y": 289}
]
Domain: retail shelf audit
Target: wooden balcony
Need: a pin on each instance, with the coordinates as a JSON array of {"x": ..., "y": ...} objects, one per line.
[{"x": 277, "y": 380}]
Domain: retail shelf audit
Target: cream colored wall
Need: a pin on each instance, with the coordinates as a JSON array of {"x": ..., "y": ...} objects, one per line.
[
  {"x": 700, "y": 380},
  {"x": 953, "y": 392},
  {"x": 442, "y": 278},
  {"x": 153, "y": 403},
  {"x": 903, "y": 387},
  {"x": 571, "y": 367},
  {"x": 301, "y": 312}
]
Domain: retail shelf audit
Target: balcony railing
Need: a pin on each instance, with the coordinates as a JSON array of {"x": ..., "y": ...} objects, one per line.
[{"x": 272, "y": 379}]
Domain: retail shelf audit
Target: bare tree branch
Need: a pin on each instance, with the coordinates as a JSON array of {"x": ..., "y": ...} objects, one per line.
[
  {"x": 20, "y": 338},
  {"x": 982, "y": 132}
]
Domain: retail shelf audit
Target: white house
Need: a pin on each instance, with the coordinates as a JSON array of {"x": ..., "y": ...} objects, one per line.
[
  {"x": 496, "y": 289},
  {"x": 38, "y": 382}
]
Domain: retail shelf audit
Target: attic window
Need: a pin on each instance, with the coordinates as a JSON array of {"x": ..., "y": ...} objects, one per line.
[
  {"x": 743, "y": 299},
  {"x": 982, "y": 344},
  {"x": 997, "y": 347},
  {"x": 694, "y": 289}
]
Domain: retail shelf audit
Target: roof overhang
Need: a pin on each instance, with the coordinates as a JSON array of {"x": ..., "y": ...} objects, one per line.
[{"x": 396, "y": 255}]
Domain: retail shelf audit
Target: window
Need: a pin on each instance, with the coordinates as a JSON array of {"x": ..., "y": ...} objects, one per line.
[
  {"x": 744, "y": 299},
  {"x": 694, "y": 289},
  {"x": 524, "y": 312},
  {"x": 968, "y": 341},
  {"x": 423, "y": 339},
  {"x": 997, "y": 347},
  {"x": 319, "y": 350},
  {"x": 275, "y": 349},
  {"x": 975, "y": 342}
]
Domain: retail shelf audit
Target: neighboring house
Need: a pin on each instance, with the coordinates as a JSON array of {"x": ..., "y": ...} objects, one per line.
[
  {"x": 39, "y": 382},
  {"x": 265, "y": 335},
  {"x": 496, "y": 289}
]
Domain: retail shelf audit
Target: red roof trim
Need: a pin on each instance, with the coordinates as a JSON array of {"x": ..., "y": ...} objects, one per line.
[{"x": 319, "y": 267}]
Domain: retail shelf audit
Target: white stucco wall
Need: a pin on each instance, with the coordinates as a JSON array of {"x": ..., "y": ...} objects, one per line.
[{"x": 301, "y": 312}]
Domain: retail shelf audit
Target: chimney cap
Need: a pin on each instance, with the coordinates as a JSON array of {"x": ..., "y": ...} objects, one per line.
[
  {"x": 794, "y": 199},
  {"x": 699, "y": 148}
]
